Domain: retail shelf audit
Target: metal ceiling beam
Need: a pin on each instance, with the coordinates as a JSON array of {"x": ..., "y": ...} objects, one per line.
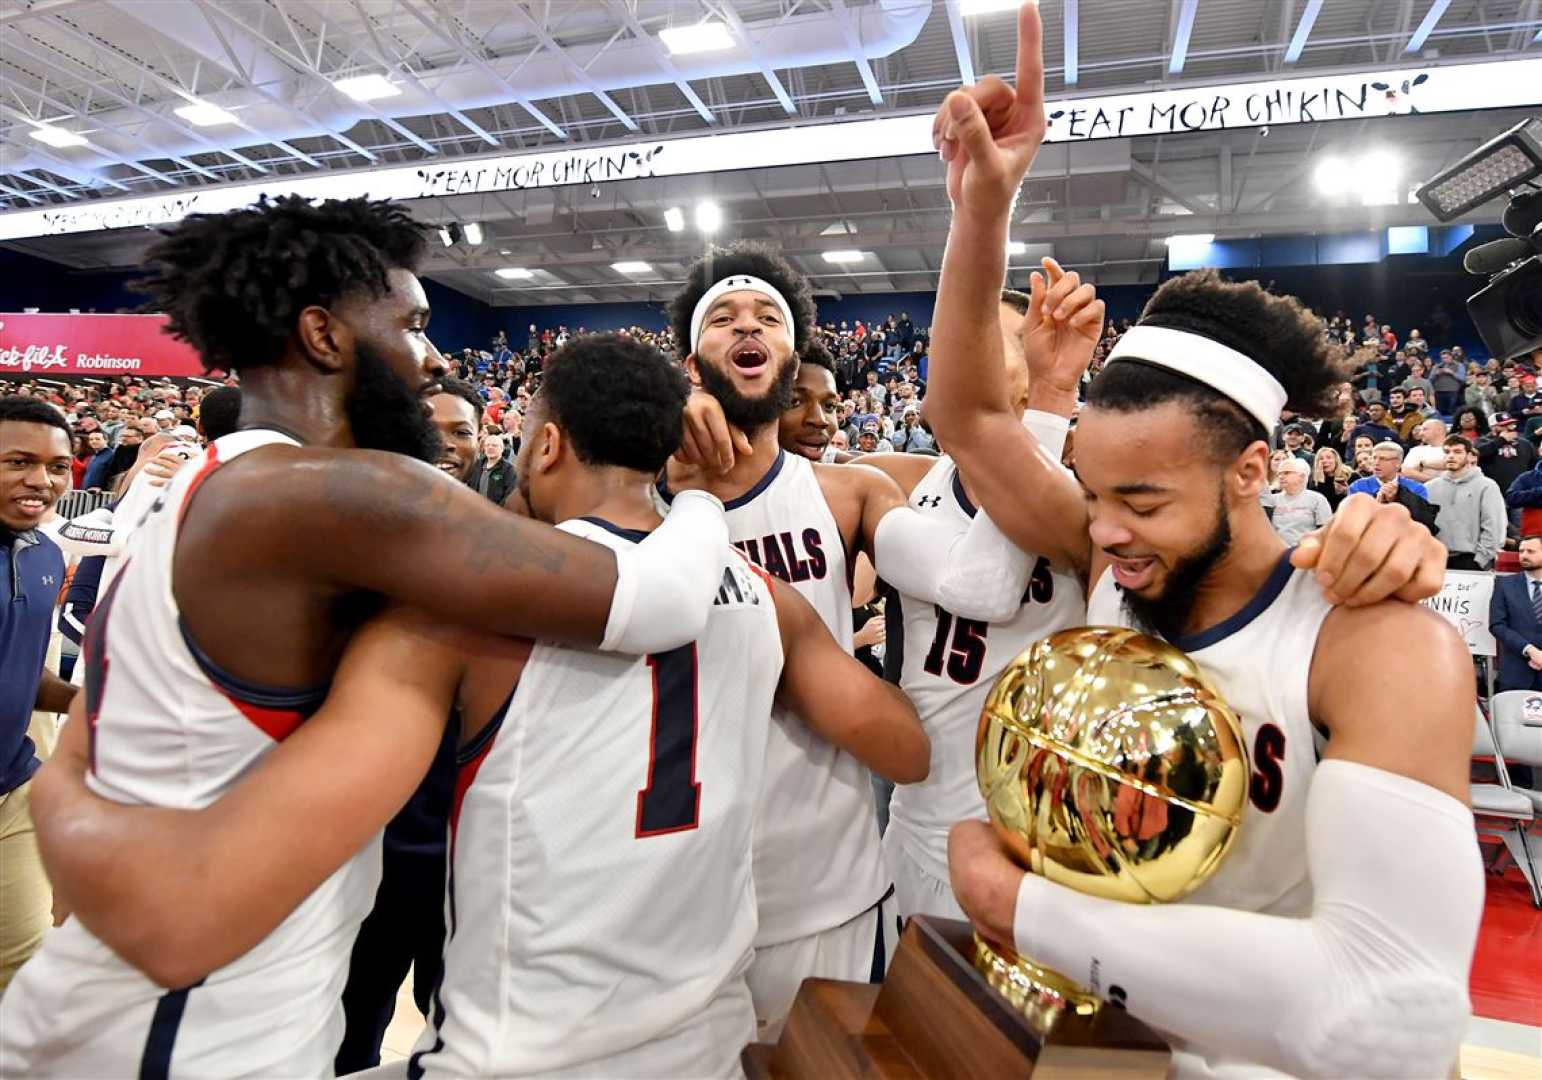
[
  {"x": 1431, "y": 18},
  {"x": 55, "y": 188},
  {"x": 38, "y": 9},
  {"x": 577, "y": 69},
  {"x": 742, "y": 32},
  {"x": 6, "y": 189},
  {"x": 302, "y": 66},
  {"x": 960, "y": 43},
  {"x": 483, "y": 66},
  {"x": 1071, "y": 33},
  {"x": 130, "y": 103},
  {"x": 858, "y": 57},
  {"x": 625, "y": 13},
  {"x": 406, "y": 71},
  {"x": 1303, "y": 31},
  {"x": 65, "y": 167},
  {"x": 1180, "y": 46}
]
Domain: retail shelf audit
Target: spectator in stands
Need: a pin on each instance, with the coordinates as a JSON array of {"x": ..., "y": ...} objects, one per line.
[
  {"x": 1525, "y": 495},
  {"x": 1471, "y": 518},
  {"x": 1297, "y": 509},
  {"x": 1416, "y": 377},
  {"x": 1515, "y": 620},
  {"x": 1330, "y": 476},
  {"x": 1376, "y": 424},
  {"x": 1469, "y": 423},
  {"x": 494, "y": 474},
  {"x": 1481, "y": 394},
  {"x": 1387, "y": 484},
  {"x": 1294, "y": 437},
  {"x": 1527, "y": 401},
  {"x": 1418, "y": 401},
  {"x": 1504, "y": 456},
  {"x": 1403, "y": 418},
  {"x": 1449, "y": 378},
  {"x": 875, "y": 391},
  {"x": 165, "y": 419},
  {"x": 913, "y": 437},
  {"x": 870, "y": 439},
  {"x": 1427, "y": 459},
  {"x": 90, "y": 448}
]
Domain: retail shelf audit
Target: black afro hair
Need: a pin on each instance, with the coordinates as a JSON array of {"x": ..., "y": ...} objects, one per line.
[
  {"x": 621, "y": 402},
  {"x": 744, "y": 257}
]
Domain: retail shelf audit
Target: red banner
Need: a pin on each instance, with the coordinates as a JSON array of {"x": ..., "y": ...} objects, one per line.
[{"x": 100, "y": 345}]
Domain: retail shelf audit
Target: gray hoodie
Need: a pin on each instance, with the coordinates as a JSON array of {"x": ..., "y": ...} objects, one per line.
[{"x": 1472, "y": 513}]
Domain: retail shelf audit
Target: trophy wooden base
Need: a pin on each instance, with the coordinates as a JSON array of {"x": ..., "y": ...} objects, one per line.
[{"x": 934, "y": 1017}]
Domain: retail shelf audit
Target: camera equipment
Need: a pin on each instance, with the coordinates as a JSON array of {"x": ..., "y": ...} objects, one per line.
[{"x": 1508, "y": 310}]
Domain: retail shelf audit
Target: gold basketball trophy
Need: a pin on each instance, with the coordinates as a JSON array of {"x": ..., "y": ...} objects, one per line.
[{"x": 1109, "y": 765}]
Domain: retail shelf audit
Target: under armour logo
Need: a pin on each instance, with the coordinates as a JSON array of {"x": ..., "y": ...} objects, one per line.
[
  {"x": 930, "y": 502},
  {"x": 48, "y": 579}
]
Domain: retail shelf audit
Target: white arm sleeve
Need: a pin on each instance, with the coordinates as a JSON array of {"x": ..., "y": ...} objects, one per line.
[
  {"x": 665, "y": 585},
  {"x": 1372, "y": 983},
  {"x": 1049, "y": 428},
  {"x": 976, "y": 573}
]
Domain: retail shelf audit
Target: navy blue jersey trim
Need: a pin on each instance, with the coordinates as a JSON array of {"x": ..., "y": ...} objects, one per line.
[
  {"x": 880, "y": 953},
  {"x": 155, "y": 1064},
  {"x": 662, "y": 487},
  {"x": 304, "y": 700},
  {"x": 636, "y": 536},
  {"x": 964, "y": 503},
  {"x": 1278, "y": 578},
  {"x": 468, "y": 753}
]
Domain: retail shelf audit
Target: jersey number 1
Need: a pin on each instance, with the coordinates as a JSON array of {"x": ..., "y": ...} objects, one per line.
[{"x": 672, "y": 800}]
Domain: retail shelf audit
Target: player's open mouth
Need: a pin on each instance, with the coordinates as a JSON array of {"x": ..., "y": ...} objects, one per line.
[
  {"x": 812, "y": 448},
  {"x": 1133, "y": 574},
  {"x": 450, "y": 465},
  {"x": 750, "y": 358}
]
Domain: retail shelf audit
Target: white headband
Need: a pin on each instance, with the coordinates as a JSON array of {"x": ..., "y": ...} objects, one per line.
[
  {"x": 1206, "y": 360},
  {"x": 738, "y": 283}
]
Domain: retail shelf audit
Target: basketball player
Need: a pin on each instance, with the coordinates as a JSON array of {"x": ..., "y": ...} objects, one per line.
[
  {"x": 245, "y": 581},
  {"x": 1354, "y": 888},
  {"x": 808, "y": 425},
  {"x": 457, "y": 414},
  {"x": 743, "y": 314},
  {"x": 601, "y": 904}
]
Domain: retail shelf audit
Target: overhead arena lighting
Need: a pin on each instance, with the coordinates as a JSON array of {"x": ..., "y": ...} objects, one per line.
[
  {"x": 1198, "y": 239},
  {"x": 674, "y": 217},
  {"x": 205, "y": 114},
  {"x": 1016, "y": 247},
  {"x": 473, "y": 232},
  {"x": 709, "y": 36},
  {"x": 631, "y": 267},
  {"x": 1499, "y": 165},
  {"x": 367, "y": 87},
  {"x": 514, "y": 273},
  {"x": 841, "y": 257},
  {"x": 1332, "y": 176},
  {"x": 709, "y": 217},
  {"x": 1378, "y": 178},
  {"x": 450, "y": 235},
  {"x": 55, "y": 136},
  {"x": 987, "y": 7}
]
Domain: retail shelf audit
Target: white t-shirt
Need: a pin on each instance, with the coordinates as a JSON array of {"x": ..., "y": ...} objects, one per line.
[
  {"x": 1431, "y": 458},
  {"x": 1297, "y": 515}
]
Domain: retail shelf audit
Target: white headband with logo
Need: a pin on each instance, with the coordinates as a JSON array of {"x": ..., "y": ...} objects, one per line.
[
  {"x": 1206, "y": 360},
  {"x": 737, "y": 283}
]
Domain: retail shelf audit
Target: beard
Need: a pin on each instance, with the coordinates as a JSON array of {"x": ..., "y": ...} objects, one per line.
[
  {"x": 747, "y": 413},
  {"x": 1167, "y": 615},
  {"x": 386, "y": 414}
]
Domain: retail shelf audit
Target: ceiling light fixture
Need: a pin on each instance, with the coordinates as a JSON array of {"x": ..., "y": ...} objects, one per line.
[
  {"x": 367, "y": 87},
  {"x": 1332, "y": 176},
  {"x": 55, "y": 136},
  {"x": 631, "y": 267},
  {"x": 840, "y": 257},
  {"x": 205, "y": 114},
  {"x": 514, "y": 273},
  {"x": 473, "y": 232},
  {"x": 709, "y": 217},
  {"x": 709, "y": 36},
  {"x": 986, "y": 7},
  {"x": 1016, "y": 247},
  {"x": 674, "y": 217},
  {"x": 1190, "y": 239}
]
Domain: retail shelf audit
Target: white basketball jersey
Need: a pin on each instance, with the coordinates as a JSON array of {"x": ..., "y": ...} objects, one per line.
[
  {"x": 601, "y": 909},
  {"x": 1260, "y": 661},
  {"x": 947, "y": 668},
  {"x": 817, "y": 858},
  {"x": 170, "y": 729}
]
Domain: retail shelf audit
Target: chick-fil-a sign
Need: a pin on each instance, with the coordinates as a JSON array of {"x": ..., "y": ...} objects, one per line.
[{"x": 92, "y": 345}]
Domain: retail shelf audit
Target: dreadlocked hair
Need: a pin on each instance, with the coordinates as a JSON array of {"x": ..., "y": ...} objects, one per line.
[
  {"x": 233, "y": 284},
  {"x": 1277, "y": 332}
]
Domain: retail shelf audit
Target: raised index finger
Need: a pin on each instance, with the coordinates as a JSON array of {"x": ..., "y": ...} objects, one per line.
[{"x": 1030, "y": 54}]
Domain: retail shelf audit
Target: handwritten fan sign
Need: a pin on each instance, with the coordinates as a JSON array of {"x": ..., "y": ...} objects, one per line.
[
  {"x": 1463, "y": 602},
  {"x": 1301, "y": 99}
]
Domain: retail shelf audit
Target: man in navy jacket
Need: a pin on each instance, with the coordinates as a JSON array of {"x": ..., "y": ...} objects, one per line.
[{"x": 1514, "y": 622}]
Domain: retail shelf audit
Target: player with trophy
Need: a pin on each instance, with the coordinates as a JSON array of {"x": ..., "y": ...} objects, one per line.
[{"x": 1326, "y": 866}]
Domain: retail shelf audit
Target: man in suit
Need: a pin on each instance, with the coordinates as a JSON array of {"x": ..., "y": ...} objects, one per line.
[
  {"x": 1515, "y": 620},
  {"x": 494, "y": 475}
]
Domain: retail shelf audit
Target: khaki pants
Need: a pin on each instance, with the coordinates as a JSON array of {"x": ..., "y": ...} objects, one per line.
[{"x": 26, "y": 901}]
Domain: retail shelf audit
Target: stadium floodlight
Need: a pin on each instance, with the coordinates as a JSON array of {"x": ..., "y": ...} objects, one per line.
[
  {"x": 514, "y": 273},
  {"x": 370, "y": 87},
  {"x": 1016, "y": 247},
  {"x": 986, "y": 7},
  {"x": 708, "y": 36},
  {"x": 709, "y": 217},
  {"x": 1499, "y": 165},
  {"x": 1332, "y": 176},
  {"x": 841, "y": 257},
  {"x": 674, "y": 217},
  {"x": 205, "y": 114},
  {"x": 473, "y": 233},
  {"x": 631, "y": 267},
  {"x": 56, "y": 136}
]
